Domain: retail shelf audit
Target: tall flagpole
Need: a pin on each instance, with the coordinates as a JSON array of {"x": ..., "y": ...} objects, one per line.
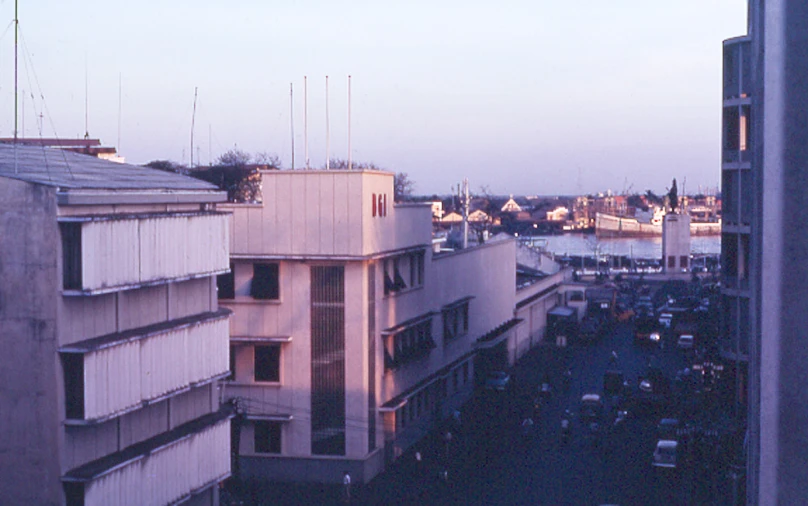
[
  {"x": 306, "y": 120},
  {"x": 349, "y": 122},
  {"x": 292, "y": 121},
  {"x": 327, "y": 130}
]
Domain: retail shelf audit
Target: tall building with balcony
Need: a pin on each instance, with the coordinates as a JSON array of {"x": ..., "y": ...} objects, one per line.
[
  {"x": 350, "y": 336},
  {"x": 113, "y": 341},
  {"x": 737, "y": 191}
]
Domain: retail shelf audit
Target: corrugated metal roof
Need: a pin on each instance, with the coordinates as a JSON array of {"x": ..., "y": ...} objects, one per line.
[{"x": 64, "y": 169}]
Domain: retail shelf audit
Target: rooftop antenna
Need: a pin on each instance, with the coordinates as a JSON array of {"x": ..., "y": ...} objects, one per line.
[
  {"x": 306, "y": 120},
  {"x": 193, "y": 120},
  {"x": 349, "y": 123},
  {"x": 327, "y": 130},
  {"x": 210, "y": 152},
  {"x": 86, "y": 99},
  {"x": 120, "y": 101},
  {"x": 22, "y": 115},
  {"x": 16, "y": 32},
  {"x": 292, "y": 120}
]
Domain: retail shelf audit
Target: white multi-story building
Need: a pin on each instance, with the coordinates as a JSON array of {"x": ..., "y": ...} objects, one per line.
[
  {"x": 349, "y": 335},
  {"x": 113, "y": 341}
]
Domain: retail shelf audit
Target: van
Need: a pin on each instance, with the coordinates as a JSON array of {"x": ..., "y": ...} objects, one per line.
[{"x": 685, "y": 341}]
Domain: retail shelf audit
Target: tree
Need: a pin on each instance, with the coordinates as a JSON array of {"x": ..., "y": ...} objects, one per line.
[
  {"x": 341, "y": 164},
  {"x": 270, "y": 159},
  {"x": 167, "y": 166},
  {"x": 234, "y": 158},
  {"x": 653, "y": 198},
  {"x": 403, "y": 186}
]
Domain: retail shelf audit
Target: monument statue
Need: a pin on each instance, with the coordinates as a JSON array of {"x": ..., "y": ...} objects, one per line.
[{"x": 673, "y": 197}]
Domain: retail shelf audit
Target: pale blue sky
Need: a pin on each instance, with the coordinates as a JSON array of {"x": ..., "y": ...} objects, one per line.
[{"x": 526, "y": 97}]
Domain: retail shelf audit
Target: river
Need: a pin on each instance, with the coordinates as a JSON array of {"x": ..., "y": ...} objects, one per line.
[{"x": 634, "y": 247}]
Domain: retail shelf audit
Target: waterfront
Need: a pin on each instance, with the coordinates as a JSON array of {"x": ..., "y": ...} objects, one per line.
[{"x": 633, "y": 247}]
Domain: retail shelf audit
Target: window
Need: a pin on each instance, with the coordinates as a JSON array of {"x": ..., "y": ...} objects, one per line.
[
  {"x": 73, "y": 366},
  {"x": 410, "y": 344},
  {"x": 455, "y": 320},
  {"x": 71, "y": 255},
  {"x": 74, "y": 493},
  {"x": 671, "y": 261},
  {"x": 226, "y": 283},
  {"x": 265, "y": 282},
  {"x": 267, "y": 437},
  {"x": 395, "y": 269},
  {"x": 683, "y": 261},
  {"x": 268, "y": 363},
  {"x": 232, "y": 376}
]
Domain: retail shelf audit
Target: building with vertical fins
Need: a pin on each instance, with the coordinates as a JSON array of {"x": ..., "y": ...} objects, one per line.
[
  {"x": 764, "y": 176},
  {"x": 350, "y": 336},
  {"x": 113, "y": 341},
  {"x": 737, "y": 193}
]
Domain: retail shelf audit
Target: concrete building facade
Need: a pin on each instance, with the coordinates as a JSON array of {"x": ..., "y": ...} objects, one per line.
[
  {"x": 112, "y": 335},
  {"x": 350, "y": 336},
  {"x": 764, "y": 172}
]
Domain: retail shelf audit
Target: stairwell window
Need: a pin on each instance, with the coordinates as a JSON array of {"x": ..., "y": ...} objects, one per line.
[
  {"x": 268, "y": 363},
  {"x": 409, "y": 344},
  {"x": 266, "y": 281}
]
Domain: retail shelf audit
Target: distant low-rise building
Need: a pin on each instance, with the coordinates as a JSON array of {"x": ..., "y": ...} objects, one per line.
[{"x": 113, "y": 340}]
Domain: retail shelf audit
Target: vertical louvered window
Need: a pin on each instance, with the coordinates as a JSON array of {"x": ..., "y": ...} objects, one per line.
[{"x": 328, "y": 360}]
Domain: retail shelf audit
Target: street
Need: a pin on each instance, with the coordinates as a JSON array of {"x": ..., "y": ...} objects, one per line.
[{"x": 611, "y": 467}]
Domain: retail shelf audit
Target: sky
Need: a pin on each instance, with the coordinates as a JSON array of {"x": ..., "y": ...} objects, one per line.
[{"x": 535, "y": 97}]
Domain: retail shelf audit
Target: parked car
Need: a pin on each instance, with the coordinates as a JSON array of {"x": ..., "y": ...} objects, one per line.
[
  {"x": 685, "y": 341},
  {"x": 497, "y": 380},
  {"x": 665, "y": 454},
  {"x": 591, "y": 408}
]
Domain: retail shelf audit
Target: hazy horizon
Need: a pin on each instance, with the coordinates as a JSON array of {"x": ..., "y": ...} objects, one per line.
[{"x": 532, "y": 98}]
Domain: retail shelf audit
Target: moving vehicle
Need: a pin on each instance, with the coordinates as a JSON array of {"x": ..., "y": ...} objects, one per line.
[
  {"x": 665, "y": 454},
  {"x": 685, "y": 341}
]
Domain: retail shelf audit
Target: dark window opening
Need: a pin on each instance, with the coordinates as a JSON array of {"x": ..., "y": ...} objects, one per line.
[
  {"x": 73, "y": 366},
  {"x": 265, "y": 283},
  {"x": 683, "y": 261},
  {"x": 74, "y": 493},
  {"x": 71, "y": 255},
  {"x": 268, "y": 363},
  {"x": 410, "y": 344},
  {"x": 226, "y": 284},
  {"x": 232, "y": 364},
  {"x": 267, "y": 437},
  {"x": 671, "y": 262},
  {"x": 455, "y": 321}
]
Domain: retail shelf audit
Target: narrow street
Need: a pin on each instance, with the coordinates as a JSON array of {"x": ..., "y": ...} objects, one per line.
[{"x": 611, "y": 467}]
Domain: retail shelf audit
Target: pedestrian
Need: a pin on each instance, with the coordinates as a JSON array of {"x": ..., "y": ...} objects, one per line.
[{"x": 346, "y": 487}]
